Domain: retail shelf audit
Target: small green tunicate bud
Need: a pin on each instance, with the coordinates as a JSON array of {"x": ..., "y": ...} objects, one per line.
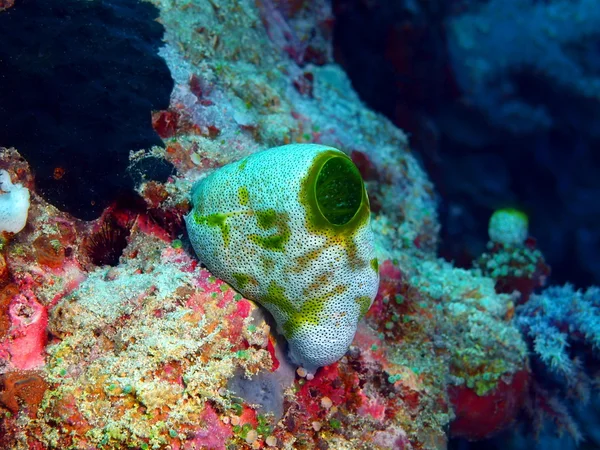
[{"x": 509, "y": 227}]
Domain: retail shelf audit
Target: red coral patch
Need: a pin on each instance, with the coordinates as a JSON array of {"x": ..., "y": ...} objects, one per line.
[{"x": 479, "y": 417}]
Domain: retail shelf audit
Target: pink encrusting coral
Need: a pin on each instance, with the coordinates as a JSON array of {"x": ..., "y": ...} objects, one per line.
[
  {"x": 213, "y": 436},
  {"x": 26, "y": 341}
]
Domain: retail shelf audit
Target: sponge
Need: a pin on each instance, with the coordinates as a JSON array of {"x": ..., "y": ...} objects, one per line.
[
  {"x": 289, "y": 228},
  {"x": 14, "y": 204}
]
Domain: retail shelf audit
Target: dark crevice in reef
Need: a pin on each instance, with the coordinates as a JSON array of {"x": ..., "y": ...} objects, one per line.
[{"x": 78, "y": 82}]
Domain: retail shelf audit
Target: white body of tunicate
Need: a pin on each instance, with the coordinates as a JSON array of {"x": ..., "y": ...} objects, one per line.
[{"x": 252, "y": 227}]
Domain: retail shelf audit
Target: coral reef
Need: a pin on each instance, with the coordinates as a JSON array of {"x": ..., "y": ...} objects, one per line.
[
  {"x": 561, "y": 319},
  {"x": 148, "y": 349},
  {"x": 407, "y": 62},
  {"x": 512, "y": 259},
  {"x": 562, "y": 327}
]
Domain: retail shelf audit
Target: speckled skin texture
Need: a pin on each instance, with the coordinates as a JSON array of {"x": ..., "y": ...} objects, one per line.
[{"x": 257, "y": 224}]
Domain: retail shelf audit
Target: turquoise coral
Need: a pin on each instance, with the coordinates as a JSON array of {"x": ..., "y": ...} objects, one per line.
[
  {"x": 558, "y": 319},
  {"x": 289, "y": 228}
]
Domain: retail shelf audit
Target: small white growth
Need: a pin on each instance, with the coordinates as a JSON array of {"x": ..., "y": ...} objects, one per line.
[
  {"x": 14, "y": 204},
  {"x": 509, "y": 227}
]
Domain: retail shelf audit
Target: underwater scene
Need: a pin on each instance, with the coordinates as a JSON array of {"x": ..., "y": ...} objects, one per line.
[{"x": 300, "y": 224}]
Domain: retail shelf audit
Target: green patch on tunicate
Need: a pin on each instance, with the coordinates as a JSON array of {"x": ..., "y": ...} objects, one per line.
[
  {"x": 308, "y": 314},
  {"x": 335, "y": 201},
  {"x": 276, "y": 242},
  {"x": 243, "y": 196},
  {"x": 375, "y": 264},
  {"x": 215, "y": 220},
  {"x": 276, "y": 297},
  {"x": 243, "y": 164},
  {"x": 364, "y": 304},
  {"x": 271, "y": 219},
  {"x": 266, "y": 219},
  {"x": 268, "y": 263},
  {"x": 242, "y": 280}
]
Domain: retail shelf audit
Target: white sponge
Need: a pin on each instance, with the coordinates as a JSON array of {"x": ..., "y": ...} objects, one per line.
[{"x": 14, "y": 204}]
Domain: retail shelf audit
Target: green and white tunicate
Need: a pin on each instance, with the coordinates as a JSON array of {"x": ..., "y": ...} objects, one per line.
[
  {"x": 509, "y": 227},
  {"x": 289, "y": 228}
]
